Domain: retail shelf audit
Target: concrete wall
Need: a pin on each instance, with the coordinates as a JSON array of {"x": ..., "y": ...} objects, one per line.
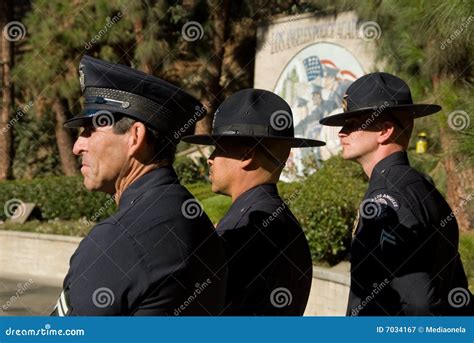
[
  {"x": 329, "y": 291},
  {"x": 36, "y": 255},
  {"x": 45, "y": 257}
]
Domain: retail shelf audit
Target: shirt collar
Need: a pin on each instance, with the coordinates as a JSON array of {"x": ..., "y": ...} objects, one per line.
[
  {"x": 245, "y": 201},
  {"x": 397, "y": 158},
  {"x": 154, "y": 178}
]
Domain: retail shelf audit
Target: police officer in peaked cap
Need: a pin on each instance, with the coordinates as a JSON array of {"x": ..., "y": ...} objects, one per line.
[
  {"x": 404, "y": 255},
  {"x": 159, "y": 253},
  {"x": 268, "y": 257}
]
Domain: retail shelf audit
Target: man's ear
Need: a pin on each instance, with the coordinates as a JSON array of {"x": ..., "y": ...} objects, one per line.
[
  {"x": 136, "y": 138},
  {"x": 248, "y": 157},
  {"x": 387, "y": 132}
]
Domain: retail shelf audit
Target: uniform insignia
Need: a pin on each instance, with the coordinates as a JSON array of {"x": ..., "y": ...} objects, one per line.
[
  {"x": 356, "y": 223},
  {"x": 385, "y": 199},
  {"x": 62, "y": 308},
  {"x": 344, "y": 102},
  {"x": 82, "y": 79},
  {"x": 386, "y": 237}
]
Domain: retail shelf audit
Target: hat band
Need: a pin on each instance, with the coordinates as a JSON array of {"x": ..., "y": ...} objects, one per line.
[
  {"x": 251, "y": 130},
  {"x": 119, "y": 101},
  {"x": 382, "y": 104}
]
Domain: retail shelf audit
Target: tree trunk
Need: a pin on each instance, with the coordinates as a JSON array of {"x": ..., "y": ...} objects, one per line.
[
  {"x": 145, "y": 66},
  {"x": 6, "y": 133},
  {"x": 213, "y": 96},
  {"x": 459, "y": 180},
  {"x": 63, "y": 139},
  {"x": 459, "y": 176}
]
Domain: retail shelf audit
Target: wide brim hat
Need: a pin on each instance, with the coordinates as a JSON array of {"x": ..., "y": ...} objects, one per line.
[
  {"x": 253, "y": 114},
  {"x": 377, "y": 94}
]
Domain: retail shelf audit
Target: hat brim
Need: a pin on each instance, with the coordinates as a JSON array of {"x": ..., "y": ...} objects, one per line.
[
  {"x": 416, "y": 110},
  {"x": 214, "y": 139},
  {"x": 85, "y": 118}
]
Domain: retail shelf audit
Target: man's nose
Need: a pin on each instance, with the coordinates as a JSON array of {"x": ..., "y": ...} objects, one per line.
[
  {"x": 342, "y": 132},
  {"x": 80, "y": 145},
  {"x": 210, "y": 159}
]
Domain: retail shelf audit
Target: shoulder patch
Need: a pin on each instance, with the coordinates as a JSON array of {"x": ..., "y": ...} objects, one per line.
[{"x": 388, "y": 200}]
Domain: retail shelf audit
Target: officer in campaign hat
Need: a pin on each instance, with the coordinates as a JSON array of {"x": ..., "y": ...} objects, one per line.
[
  {"x": 404, "y": 255},
  {"x": 159, "y": 253},
  {"x": 268, "y": 257}
]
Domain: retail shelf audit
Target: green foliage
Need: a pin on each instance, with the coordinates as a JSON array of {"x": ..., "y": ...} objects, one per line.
[
  {"x": 326, "y": 205},
  {"x": 190, "y": 172},
  {"x": 216, "y": 207},
  {"x": 59, "y": 197},
  {"x": 36, "y": 152},
  {"x": 466, "y": 250}
]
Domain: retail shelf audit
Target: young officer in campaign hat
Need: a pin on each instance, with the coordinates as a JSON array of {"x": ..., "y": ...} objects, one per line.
[
  {"x": 159, "y": 253},
  {"x": 404, "y": 255},
  {"x": 268, "y": 257}
]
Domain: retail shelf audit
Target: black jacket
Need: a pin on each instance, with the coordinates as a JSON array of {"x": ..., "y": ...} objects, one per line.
[
  {"x": 404, "y": 256},
  {"x": 268, "y": 257},
  {"x": 158, "y": 255}
]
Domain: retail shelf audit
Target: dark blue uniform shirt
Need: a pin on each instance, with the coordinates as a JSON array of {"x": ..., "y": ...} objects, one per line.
[
  {"x": 158, "y": 255},
  {"x": 268, "y": 257},
  {"x": 404, "y": 256}
]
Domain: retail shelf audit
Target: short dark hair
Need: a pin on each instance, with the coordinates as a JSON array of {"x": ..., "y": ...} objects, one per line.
[{"x": 164, "y": 148}]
